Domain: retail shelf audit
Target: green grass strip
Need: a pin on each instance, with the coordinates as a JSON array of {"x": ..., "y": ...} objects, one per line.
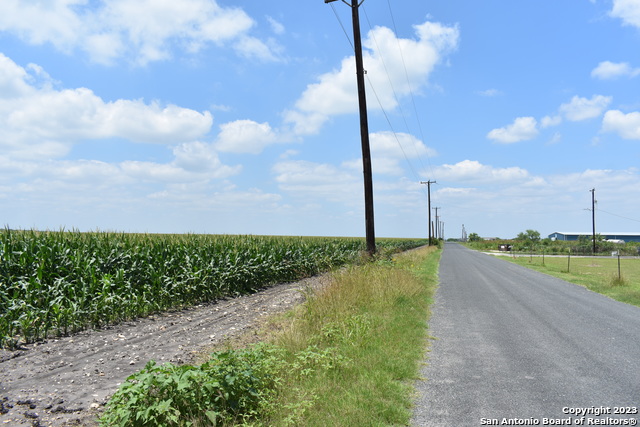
[
  {"x": 355, "y": 349},
  {"x": 348, "y": 356},
  {"x": 603, "y": 275}
]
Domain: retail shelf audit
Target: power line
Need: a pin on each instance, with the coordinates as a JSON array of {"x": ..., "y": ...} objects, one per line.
[
  {"x": 406, "y": 74},
  {"x": 375, "y": 93},
  {"x": 395, "y": 95},
  {"x": 364, "y": 128},
  {"x": 335, "y": 12},
  {"x": 619, "y": 216}
]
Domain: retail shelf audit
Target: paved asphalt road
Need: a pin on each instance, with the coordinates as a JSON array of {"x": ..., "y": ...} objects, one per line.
[{"x": 517, "y": 344}]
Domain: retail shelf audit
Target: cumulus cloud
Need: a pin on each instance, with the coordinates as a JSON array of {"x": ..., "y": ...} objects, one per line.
[
  {"x": 625, "y": 125},
  {"x": 87, "y": 177},
  {"x": 142, "y": 31},
  {"x": 312, "y": 180},
  {"x": 398, "y": 145},
  {"x": 627, "y": 10},
  {"x": 276, "y": 26},
  {"x": 474, "y": 171},
  {"x": 582, "y": 108},
  {"x": 389, "y": 150},
  {"x": 548, "y": 121},
  {"x": 41, "y": 121},
  {"x": 522, "y": 129},
  {"x": 578, "y": 109},
  {"x": 40, "y": 125},
  {"x": 200, "y": 157},
  {"x": 406, "y": 62},
  {"x": 607, "y": 70},
  {"x": 13, "y": 80},
  {"x": 245, "y": 136}
]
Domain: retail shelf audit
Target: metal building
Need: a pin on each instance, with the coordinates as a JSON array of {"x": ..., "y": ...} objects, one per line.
[{"x": 627, "y": 237}]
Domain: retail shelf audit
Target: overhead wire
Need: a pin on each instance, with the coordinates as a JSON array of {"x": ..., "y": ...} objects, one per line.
[
  {"x": 372, "y": 87},
  {"x": 406, "y": 74},
  {"x": 395, "y": 95},
  {"x": 346, "y": 34},
  {"x": 619, "y": 216}
]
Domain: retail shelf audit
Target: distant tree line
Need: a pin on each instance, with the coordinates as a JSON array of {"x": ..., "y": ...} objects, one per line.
[{"x": 531, "y": 241}]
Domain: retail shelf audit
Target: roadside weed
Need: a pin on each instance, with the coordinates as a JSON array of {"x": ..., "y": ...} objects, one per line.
[{"x": 347, "y": 356}]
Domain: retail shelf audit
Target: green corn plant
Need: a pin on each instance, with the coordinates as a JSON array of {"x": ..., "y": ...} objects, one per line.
[{"x": 69, "y": 280}]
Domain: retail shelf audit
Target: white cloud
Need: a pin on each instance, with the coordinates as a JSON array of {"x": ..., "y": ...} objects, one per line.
[
  {"x": 43, "y": 122},
  {"x": 389, "y": 150},
  {"x": 379, "y": 166},
  {"x": 548, "y": 121},
  {"x": 556, "y": 138},
  {"x": 627, "y": 10},
  {"x": 199, "y": 157},
  {"x": 582, "y": 108},
  {"x": 490, "y": 92},
  {"x": 251, "y": 47},
  {"x": 578, "y": 109},
  {"x": 398, "y": 145},
  {"x": 13, "y": 80},
  {"x": 312, "y": 180},
  {"x": 175, "y": 172},
  {"x": 609, "y": 184},
  {"x": 607, "y": 70},
  {"x": 407, "y": 63},
  {"x": 475, "y": 172},
  {"x": 195, "y": 165},
  {"x": 245, "y": 136},
  {"x": 54, "y": 21},
  {"x": 625, "y": 125},
  {"x": 40, "y": 125},
  {"x": 276, "y": 26},
  {"x": 142, "y": 31},
  {"x": 523, "y": 128}
]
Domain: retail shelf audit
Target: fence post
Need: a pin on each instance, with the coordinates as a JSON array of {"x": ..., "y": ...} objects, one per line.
[{"x": 569, "y": 261}]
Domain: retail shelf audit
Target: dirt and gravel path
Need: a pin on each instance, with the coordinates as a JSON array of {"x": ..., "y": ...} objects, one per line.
[{"x": 67, "y": 381}]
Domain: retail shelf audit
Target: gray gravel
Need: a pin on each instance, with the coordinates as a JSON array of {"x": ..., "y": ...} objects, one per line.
[
  {"x": 67, "y": 381},
  {"x": 511, "y": 343}
]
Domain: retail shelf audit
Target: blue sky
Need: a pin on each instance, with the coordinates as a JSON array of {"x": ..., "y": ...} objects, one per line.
[{"x": 240, "y": 117}]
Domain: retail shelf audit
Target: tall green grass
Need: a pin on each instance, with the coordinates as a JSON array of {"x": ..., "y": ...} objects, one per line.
[
  {"x": 364, "y": 338},
  {"x": 598, "y": 274},
  {"x": 346, "y": 357},
  {"x": 55, "y": 283}
]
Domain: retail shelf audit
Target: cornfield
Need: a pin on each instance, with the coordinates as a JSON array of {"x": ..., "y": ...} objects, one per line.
[{"x": 56, "y": 283}]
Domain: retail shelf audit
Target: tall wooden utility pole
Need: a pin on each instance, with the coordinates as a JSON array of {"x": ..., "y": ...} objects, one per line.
[
  {"x": 364, "y": 129},
  {"x": 437, "y": 226},
  {"x": 593, "y": 217},
  {"x": 429, "y": 205}
]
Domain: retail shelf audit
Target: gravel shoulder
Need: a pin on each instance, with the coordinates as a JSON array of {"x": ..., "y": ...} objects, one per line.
[{"x": 67, "y": 381}]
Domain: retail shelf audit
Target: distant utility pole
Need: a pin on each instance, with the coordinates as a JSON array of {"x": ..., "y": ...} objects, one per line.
[
  {"x": 437, "y": 224},
  {"x": 464, "y": 234},
  {"x": 364, "y": 128},
  {"x": 593, "y": 217},
  {"x": 429, "y": 205}
]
